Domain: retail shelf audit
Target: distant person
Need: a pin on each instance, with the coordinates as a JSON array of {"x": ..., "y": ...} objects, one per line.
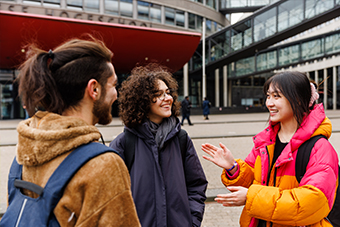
[
  {"x": 26, "y": 114},
  {"x": 206, "y": 108},
  {"x": 265, "y": 181},
  {"x": 76, "y": 85},
  {"x": 186, "y": 106},
  {"x": 168, "y": 182}
]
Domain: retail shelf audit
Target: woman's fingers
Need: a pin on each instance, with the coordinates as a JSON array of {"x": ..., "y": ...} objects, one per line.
[
  {"x": 209, "y": 149},
  {"x": 225, "y": 199},
  {"x": 236, "y": 197},
  {"x": 208, "y": 158}
]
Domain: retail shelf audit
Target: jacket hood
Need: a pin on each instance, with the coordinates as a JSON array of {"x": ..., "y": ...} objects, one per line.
[
  {"x": 316, "y": 123},
  {"x": 48, "y": 135}
]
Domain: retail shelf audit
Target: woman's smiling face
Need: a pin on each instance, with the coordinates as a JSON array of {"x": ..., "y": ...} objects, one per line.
[
  {"x": 278, "y": 105},
  {"x": 159, "y": 108}
]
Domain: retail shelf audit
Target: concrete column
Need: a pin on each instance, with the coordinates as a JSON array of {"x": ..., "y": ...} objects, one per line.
[
  {"x": 163, "y": 15},
  {"x": 325, "y": 92},
  {"x": 186, "y": 80},
  {"x": 334, "y": 88},
  {"x": 225, "y": 86},
  {"x": 229, "y": 95},
  {"x": 186, "y": 20},
  {"x": 62, "y": 3},
  {"x": 217, "y": 87},
  {"x": 204, "y": 82},
  {"x": 134, "y": 9}
]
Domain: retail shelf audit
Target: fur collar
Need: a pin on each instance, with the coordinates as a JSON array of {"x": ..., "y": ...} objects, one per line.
[{"x": 48, "y": 135}]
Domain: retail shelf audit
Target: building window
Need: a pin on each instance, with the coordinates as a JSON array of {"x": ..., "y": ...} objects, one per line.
[
  {"x": 241, "y": 35},
  {"x": 289, "y": 55},
  {"x": 33, "y": 2},
  {"x": 211, "y": 3},
  {"x": 199, "y": 23},
  {"x": 180, "y": 18},
  {"x": 245, "y": 66},
  {"x": 266, "y": 60},
  {"x": 143, "y": 10},
  {"x": 91, "y": 5},
  {"x": 75, "y": 4},
  {"x": 112, "y": 7},
  {"x": 208, "y": 26},
  {"x": 52, "y": 3},
  {"x": 192, "y": 21},
  {"x": 174, "y": 17},
  {"x": 195, "y": 21},
  {"x": 149, "y": 11},
  {"x": 332, "y": 43},
  {"x": 290, "y": 13},
  {"x": 265, "y": 25},
  {"x": 200, "y": 1},
  {"x": 126, "y": 8},
  {"x": 312, "y": 49},
  {"x": 315, "y": 7},
  {"x": 119, "y": 7},
  {"x": 169, "y": 16},
  {"x": 155, "y": 13}
]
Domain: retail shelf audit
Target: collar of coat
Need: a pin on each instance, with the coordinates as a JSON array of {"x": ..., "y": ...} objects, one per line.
[
  {"x": 316, "y": 123},
  {"x": 47, "y": 135}
]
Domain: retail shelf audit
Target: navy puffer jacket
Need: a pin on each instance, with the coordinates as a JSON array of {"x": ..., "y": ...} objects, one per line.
[{"x": 166, "y": 191}]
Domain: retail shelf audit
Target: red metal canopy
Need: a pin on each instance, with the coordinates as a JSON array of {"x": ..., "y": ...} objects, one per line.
[{"x": 130, "y": 44}]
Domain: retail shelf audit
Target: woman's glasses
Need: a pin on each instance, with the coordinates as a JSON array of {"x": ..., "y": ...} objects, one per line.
[{"x": 162, "y": 96}]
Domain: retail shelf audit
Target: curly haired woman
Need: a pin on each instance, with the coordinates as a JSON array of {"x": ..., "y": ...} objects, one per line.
[{"x": 168, "y": 187}]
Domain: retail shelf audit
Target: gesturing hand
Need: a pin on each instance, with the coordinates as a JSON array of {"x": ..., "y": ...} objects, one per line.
[
  {"x": 220, "y": 156},
  {"x": 236, "y": 197}
]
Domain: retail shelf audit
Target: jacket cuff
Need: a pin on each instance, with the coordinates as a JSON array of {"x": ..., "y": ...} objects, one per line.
[{"x": 232, "y": 176}]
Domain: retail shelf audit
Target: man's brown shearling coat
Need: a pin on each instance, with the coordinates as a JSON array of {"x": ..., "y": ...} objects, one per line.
[{"x": 98, "y": 194}]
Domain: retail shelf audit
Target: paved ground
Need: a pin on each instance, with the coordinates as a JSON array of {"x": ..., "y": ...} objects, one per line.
[{"x": 234, "y": 130}]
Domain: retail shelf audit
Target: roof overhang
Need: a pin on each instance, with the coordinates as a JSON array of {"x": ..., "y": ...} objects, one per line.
[{"x": 131, "y": 45}]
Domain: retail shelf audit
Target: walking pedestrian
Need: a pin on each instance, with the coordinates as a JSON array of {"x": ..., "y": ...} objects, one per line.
[
  {"x": 186, "y": 106},
  {"x": 265, "y": 181},
  {"x": 76, "y": 85},
  {"x": 168, "y": 182},
  {"x": 206, "y": 108}
]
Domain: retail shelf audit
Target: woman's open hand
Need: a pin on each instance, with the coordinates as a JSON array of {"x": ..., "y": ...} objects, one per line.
[{"x": 220, "y": 156}]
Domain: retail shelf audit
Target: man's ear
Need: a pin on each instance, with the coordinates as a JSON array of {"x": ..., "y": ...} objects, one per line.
[{"x": 93, "y": 89}]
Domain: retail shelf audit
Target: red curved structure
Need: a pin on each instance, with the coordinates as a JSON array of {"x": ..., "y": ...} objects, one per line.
[{"x": 131, "y": 45}]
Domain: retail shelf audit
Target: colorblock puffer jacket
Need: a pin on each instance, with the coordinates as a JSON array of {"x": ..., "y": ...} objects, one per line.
[{"x": 276, "y": 196}]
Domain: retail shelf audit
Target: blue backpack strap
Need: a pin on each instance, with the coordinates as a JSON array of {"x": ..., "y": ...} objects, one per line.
[
  {"x": 62, "y": 175},
  {"x": 98, "y": 149},
  {"x": 14, "y": 173},
  {"x": 72, "y": 163}
]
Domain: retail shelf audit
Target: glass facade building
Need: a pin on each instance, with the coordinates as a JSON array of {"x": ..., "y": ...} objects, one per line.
[
  {"x": 240, "y": 57},
  {"x": 237, "y": 79},
  {"x": 179, "y": 15}
]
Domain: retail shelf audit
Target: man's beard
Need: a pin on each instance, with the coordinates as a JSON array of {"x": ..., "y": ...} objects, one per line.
[{"x": 102, "y": 111}]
